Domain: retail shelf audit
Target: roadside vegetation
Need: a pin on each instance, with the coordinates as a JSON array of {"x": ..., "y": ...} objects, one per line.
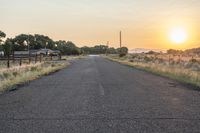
[
  {"x": 21, "y": 74},
  {"x": 183, "y": 67},
  {"x": 25, "y": 57},
  {"x": 37, "y": 42},
  {"x": 21, "y": 68}
]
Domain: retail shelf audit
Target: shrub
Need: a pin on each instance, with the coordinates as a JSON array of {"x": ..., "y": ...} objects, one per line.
[
  {"x": 122, "y": 54},
  {"x": 131, "y": 60},
  {"x": 53, "y": 65},
  {"x": 193, "y": 60},
  {"x": 147, "y": 59},
  {"x": 134, "y": 56},
  {"x": 15, "y": 73},
  {"x": 6, "y": 75},
  {"x": 33, "y": 68}
]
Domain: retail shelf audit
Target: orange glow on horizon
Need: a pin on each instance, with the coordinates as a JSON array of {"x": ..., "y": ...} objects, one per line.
[{"x": 144, "y": 24}]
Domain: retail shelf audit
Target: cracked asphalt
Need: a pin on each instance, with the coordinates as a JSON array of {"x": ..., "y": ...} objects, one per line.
[{"x": 95, "y": 95}]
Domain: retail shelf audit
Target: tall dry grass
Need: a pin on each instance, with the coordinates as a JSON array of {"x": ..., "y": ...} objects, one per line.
[
  {"x": 187, "y": 70},
  {"x": 21, "y": 74}
]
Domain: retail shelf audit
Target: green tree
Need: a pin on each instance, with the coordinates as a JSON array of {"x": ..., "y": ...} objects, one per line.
[
  {"x": 123, "y": 51},
  {"x": 67, "y": 48},
  {"x": 98, "y": 49},
  {"x": 112, "y": 51},
  {"x": 86, "y": 50},
  {"x": 7, "y": 46},
  {"x": 71, "y": 49},
  {"x": 35, "y": 42},
  {"x": 19, "y": 42},
  {"x": 41, "y": 41},
  {"x": 2, "y": 35}
]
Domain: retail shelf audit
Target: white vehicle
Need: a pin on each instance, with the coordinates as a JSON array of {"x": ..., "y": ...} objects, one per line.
[
  {"x": 1, "y": 53},
  {"x": 45, "y": 51}
]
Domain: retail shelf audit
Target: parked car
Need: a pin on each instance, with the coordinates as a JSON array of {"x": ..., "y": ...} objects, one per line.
[
  {"x": 1, "y": 53},
  {"x": 55, "y": 52},
  {"x": 45, "y": 51},
  {"x": 48, "y": 52}
]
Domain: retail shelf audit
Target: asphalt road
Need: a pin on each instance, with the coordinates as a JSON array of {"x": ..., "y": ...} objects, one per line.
[{"x": 95, "y": 95}]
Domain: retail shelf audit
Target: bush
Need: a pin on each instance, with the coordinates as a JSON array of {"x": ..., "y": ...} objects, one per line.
[
  {"x": 147, "y": 59},
  {"x": 122, "y": 54},
  {"x": 33, "y": 68},
  {"x": 194, "y": 61},
  {"x": 134, "y": 56},
  {"x": 131, "y": 60},
  {"x": 15, "y": 73},
  {"x": 6, "y": 75}
]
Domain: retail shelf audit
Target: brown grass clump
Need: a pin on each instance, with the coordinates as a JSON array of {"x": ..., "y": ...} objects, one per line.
[
  {"x": 183, "y": 69},
  {"x": 19, "y": 75}
]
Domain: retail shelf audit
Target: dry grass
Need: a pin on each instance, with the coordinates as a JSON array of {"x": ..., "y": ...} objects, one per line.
[
  {"x": 27, "y": 72},
  {"x": 186, "y": 71},
  {"x": 19, "y": 75},
  {"x": 73, "y": 57}
]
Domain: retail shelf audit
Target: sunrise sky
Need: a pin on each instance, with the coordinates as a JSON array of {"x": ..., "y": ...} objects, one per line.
[{"x": 144, "y": 23}]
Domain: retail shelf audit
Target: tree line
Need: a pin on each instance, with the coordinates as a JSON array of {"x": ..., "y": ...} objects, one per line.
[
  {"x": 24, "y": 42},
  {"x": 186, "y": 52}
]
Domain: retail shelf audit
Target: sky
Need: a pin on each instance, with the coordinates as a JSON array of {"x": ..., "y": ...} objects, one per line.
[{"x": 144, "y": 23}]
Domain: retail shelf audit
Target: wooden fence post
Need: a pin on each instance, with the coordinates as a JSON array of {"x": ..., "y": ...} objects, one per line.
[
  {"x": 36, "y": 58},
  {"x": 40, "y": 58},
  {"x": 29, "y": 59},
  {"x": 8, "y": 61},
  {"x": 20, "y": 61},
  {"x": 60, "y": 56},
  {"x": 13, "y": 57}
]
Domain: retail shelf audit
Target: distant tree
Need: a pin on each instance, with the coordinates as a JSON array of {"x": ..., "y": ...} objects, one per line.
[
  {"x": 67, "y": 48},
  {"x": 86, "y": 50},
  {"x": 173, "y": 51},
  {"x": 41, "y": 41},
  {"x": 19, "y": 42},
  {"x": 35, "y": 42},
  {"x": 112, "y": 51},
  {"x": 2, "y": 35},
  {"x": 192, "y": 51},
  {"x": 98, "y": 49},
  {"x": 71, "y": 49},
  {"x": 61, "y": 44},
  {"x": 152, "y": 52},
  {"x": 123, "y": 51},
  {"x": 7, "y": 46}
]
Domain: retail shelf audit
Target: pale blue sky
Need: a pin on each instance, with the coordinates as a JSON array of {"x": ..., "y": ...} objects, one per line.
[{"x": 88, "y": 22}]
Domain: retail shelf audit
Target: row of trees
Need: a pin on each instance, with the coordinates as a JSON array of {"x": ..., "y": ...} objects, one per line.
[
  {"x": 193, "y": 51},
  {"x": 103, "y": 49},
  {"x": 40, "y": 42}
]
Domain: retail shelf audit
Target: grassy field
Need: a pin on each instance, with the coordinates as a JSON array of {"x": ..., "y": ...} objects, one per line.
[
  {"x": 21, "y": 74},
  {"x": 181, "y": 68}
]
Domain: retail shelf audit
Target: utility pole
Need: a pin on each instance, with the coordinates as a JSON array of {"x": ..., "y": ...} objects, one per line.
[
  {"x": 120, "y": 42},
  {"x": 29, "y": 54},
  {"x": 108, "y": 43},
  {"x": 120, "y": 39},
  {"x": 107, "y": 47}
]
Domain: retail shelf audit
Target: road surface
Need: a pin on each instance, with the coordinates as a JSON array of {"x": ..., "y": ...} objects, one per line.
[{"x": 95, "y": 95}]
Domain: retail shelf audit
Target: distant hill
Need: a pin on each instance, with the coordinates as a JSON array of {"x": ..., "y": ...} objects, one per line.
[
  {"x": 193, "y": 51},
  {"x": 143, "y": 50}
]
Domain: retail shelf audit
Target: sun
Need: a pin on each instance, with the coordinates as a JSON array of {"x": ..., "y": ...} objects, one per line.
[{"x": 178, "y": 35}]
